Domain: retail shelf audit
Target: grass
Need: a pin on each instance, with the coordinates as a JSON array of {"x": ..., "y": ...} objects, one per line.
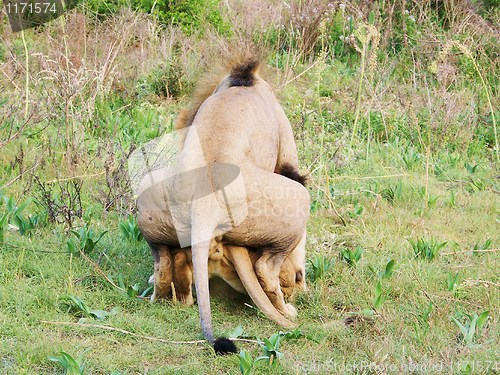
[
  {"x": 402, "y": 249},
  {"x": 34, "y": 282}
]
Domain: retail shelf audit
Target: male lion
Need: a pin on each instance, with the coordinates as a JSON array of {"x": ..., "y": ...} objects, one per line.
[{"x": 227, "y": 183}]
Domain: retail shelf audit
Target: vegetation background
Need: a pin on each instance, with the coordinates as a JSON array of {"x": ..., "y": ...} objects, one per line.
[{"x": 395, "y": 107}]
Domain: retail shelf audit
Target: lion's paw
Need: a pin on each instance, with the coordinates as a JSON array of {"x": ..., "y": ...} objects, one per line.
[{"x": 291, "y": 311}]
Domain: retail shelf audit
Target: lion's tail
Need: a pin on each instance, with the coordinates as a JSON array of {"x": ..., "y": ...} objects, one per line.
[{"x": 202, "y": 231}]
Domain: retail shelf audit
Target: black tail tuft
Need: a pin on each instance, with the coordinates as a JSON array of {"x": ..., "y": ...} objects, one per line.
[
  {"x": 244, "y": 74},
  {"x": 224, "y": 346},
  {"x": 289, "y": 171}
]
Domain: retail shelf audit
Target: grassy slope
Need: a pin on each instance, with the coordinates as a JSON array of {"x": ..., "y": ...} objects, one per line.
[{"x": 36, "y": 271}]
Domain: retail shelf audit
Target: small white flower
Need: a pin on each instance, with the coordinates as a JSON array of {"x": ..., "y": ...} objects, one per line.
[
  {"x": 342, "y": 6},
  {"x": 411, "y": 18}
]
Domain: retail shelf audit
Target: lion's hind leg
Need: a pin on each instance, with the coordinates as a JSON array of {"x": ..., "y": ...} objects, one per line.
[
  {"x": 268, "y": 269},
  {"x": 183, "y": 276},
  {"x": 163, "y": 272}
]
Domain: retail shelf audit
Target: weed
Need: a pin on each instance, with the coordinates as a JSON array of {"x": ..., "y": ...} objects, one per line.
[
  {"x": 473, "y": 323},
  {"x": 424, "y": 249},
  {"x": 471, "y": 168},
  {"x": 421, "y": 329},
  {"x": 452, "y": 199},
  {"x": 246, "y": 362},
  {"x": 411, "y": 158},
  {"x": 14, "y": 216},
  {"x": 350, "y": 256},
  {"x": 475, "y": 185},
  {"x": 432, "y": 200},
  {"x": 85, "y": 240},
  {"x": 380, "y": 295},
  {"x": 130, "y": 230},
  {"x": 133, "y": 291},
  {"x": 438, "y": 170},
  {"x": 386, "y": 272},
  {"x": 270, "y": 347},
  {"x": 271, "y": 354},
  {"x": 357, "y": 211},
  {"x": 71, "y": 365},
  {"x": 453, "y": 159},
  {"x": 425, "y": 316},
  {"x": 453, "y": 283},
  {"x": 76, "y": 306},
  {"x": 484, "y": 246},
  {"x": 3, "y": 226},
  {"x": 63, "y": 204},
  {"x": 320, "y": 265},
  {"x": 393, "y": 193}
]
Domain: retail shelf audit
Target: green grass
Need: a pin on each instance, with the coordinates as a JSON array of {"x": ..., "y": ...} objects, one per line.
[
  {"x": 421, "y": 172},
  {"x": 34, "y": 282}
]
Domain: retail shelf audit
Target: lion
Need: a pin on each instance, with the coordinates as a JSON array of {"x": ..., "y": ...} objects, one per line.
[
  {"x": 173, "y": 273},
  {"x": 236, "y": 177}
]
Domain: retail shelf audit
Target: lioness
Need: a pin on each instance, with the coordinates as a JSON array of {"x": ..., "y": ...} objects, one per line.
[
  {"x": 227, "y": 183},
  {"x": 174, "y": 270}
]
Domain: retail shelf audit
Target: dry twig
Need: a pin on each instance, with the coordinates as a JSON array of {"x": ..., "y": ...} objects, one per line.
[{"x": 125, "y": 332}]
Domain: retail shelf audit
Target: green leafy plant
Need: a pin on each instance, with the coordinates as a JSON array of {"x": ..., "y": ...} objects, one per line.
[
  {"x": 133, "y": 290},
  {"x": 320, "y": 265},
  {"x": 85, "y": 240},
  {"x": 357, "y": 211},
  {"x": 484, "y": 246},
  {"x": 453, "y": 159},
  {"x": 350, "y": 256},
  {"x": 452, "y": 283},
  {"x": 130, "y": 230},
  {"x": 426, "y": 314},
  {"x": 246, "y": 362},
  {"x": 386, "y": 272},
  {"x": 393, "y": 193},
  {"x": 14, "y": 215},
  {"x": 189, "y": 15},
  {"x": 71, "y": 365},
  {"x": 475, "y": 185},
  {"x": 471, "y": 168},
  {"x": 79, "y": 308},
  {"x": 438, "y": 170},
  {"x": 432, "y": 200},
  {"x": 411, "y": 158},
  {"x": 473, "y": 323},
  {"x": 452, "y": 199},
  {"x": 270, "y": 347},
  {"x": 3, "y": 225},
  {"x": 380, "y": 295},
  {"x": 421, "y": 328},
  {"x": 25, "y": 224},
  {"x": 424, "y": 249}
]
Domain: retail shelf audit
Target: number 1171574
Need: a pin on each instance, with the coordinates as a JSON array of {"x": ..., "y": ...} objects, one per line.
[{"x": 32, "y": 7}]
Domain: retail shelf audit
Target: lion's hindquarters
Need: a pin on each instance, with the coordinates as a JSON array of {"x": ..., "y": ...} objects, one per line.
[{"x": 244, "y": 268}]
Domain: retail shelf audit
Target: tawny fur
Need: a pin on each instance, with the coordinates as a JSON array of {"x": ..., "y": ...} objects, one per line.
[
  {"x": 210, "y": 81},
  {"x": 179, "y": 276},
  {"x": 243, "y": 126}
]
